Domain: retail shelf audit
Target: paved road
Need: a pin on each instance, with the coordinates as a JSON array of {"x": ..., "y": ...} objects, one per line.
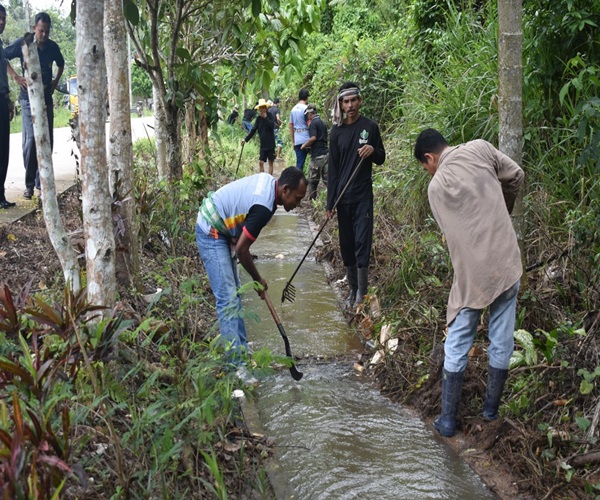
[{"x": 63, "y": 160}]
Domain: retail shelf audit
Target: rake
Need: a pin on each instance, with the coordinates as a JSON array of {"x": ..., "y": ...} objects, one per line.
[
  {"x": 289, "y": 291},
  {"x": 296, "y": 375}
]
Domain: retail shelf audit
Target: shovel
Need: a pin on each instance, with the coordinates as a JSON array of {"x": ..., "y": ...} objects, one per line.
[
  {"x": 296, "y": 375},
  {"x": 289, "y": 291}
]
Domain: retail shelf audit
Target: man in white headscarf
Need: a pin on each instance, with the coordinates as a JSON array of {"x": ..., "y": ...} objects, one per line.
[{"x": 354, "y": 138}]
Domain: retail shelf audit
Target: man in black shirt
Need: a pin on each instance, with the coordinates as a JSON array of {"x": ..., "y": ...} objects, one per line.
[
  {"x": 317, "y": 145},
  {"x": 265, "y": 126},
  {"x": 353, "y": 138},
  {"x": 275, "y": 114},
  {"x": 49, "y": 53}
]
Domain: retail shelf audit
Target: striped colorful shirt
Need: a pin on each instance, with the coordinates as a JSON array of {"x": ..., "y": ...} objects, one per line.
[{"x": 244, "y": 205}]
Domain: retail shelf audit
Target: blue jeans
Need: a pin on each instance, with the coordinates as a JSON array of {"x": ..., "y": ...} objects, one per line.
[
  {"x": 300, "y": 156},
  {"x": 224, "y": 279},
  {"x": 461, "y": 333},
  {"x": 247, "y": 126}
]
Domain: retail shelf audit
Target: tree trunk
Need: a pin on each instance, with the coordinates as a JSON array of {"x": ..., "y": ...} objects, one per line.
[
  {"x": 97, "y": 219},
  {"x": 56, "y": 231},
  {"x": 174, "y": 169},
  {"x": 189, "y": 141},
  {"x": 120, "y": 152},
  {"x": 159, "y": 134},
  {"x": 510, "y": 98}
]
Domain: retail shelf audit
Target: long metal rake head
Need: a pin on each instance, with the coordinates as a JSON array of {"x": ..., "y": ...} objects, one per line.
[{"x": 289, "y": 293}]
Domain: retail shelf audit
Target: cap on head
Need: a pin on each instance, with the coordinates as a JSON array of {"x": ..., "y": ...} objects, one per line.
[{"x": 311, "y": 108}]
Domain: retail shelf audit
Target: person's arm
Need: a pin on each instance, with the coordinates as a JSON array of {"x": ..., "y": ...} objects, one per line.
[
  {"x": 56, "y": 80},
  {"x": 511, "y": 176},
  {"x": 312, "y": 132},
  {"x": 21, "y": 81},
  {"x": 332, "y": 174},
  {"x": 375, "y": 149},
  {"x": 242, "y": 249},
  {"x": 292, "y": 131},
  {"x": 278, "y": 116},
  {"x": 252, "y": 132}
]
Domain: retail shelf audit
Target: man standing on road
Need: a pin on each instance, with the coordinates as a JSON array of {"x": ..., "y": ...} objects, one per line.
[
  {"x": 472, "y": 193},
  {"x": 299, "y": 128},
  {"x": 275, "y": 113},
  {"x": 6, "y": 114},
  {"x": 264, "y": 125},
  {"x": 228, "y": 222},
  {"x": 49, "y": 53},
  {"x": 354, "y": 138},
  {"x": 317, "y": 145}
]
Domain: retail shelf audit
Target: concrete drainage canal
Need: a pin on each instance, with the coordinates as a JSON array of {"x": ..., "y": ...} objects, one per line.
[{"x": 336, "y": 436}]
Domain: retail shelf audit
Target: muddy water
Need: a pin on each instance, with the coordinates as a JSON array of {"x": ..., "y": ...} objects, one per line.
[{"x": 336, "y": 436}]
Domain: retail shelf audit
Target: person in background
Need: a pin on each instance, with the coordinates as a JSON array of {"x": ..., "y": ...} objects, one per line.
[
  {"x": 472, "y": 193},
  {"x": 229, "y": 222},
  {"x": 249, "y": 115},
  {"x": 299, "y": 128},
  {"x": 264, "y": 125},
  {"x": 233, "y": 117},
  {"x": 275, "y": 114},
  {"x": 6, "y": 115},
  {"x": 317, "y": 145},
  {"x": 49, "y": 54},
  {"x": 354, "y": 138}
]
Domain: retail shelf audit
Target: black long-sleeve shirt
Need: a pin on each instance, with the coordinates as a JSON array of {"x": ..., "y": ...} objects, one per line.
[
  {"x": 344, "y": 143},
  {"x": 266, "y": 132}
]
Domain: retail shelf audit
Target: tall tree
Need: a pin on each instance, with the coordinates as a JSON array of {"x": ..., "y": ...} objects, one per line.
[
  {"x": 120, "y": 150},
  {"x": 56, "y": 231},
  {"x": 510, "y": 95},
  {"x": 181, "y": 42},
  {"x": 97, "y": 220}
]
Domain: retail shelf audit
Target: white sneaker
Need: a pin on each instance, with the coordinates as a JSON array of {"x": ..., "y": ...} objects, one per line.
[{"x": 245, "y": 376}]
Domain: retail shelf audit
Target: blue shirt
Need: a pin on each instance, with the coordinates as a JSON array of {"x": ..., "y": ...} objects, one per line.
[{"x": 49, "y": 53}]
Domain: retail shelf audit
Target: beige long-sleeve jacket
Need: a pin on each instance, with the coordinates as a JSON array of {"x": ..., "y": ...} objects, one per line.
[{"x": 471, "y": 195}]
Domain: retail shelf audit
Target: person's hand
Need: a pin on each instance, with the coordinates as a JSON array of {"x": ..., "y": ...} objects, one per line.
[
  {"x": 366, "y": 151},
  {"x": 262, "y": 289},
  {"x": 243, "y": 142},
  {"x": 330, "y": 213},
  {"x": 54, "y": 85},
  {"x": 21, "y": 82}
]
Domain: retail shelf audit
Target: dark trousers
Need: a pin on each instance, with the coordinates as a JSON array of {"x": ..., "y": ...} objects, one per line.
[
  {"x": 30, "y": 162},
  {"x": 4, "y": 142},
  {"x": 355, "y": 222}
]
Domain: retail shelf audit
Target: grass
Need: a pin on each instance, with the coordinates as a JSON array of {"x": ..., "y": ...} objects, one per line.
[{"x": 61, "y": 119}]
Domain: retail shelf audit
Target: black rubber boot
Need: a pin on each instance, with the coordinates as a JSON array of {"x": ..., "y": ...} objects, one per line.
[
  {"x": 452, "y": 383},
  {"x": 495, "y": 385},
  {"x": 363, "y": 285},
  {"x": 351, "y": 274}
]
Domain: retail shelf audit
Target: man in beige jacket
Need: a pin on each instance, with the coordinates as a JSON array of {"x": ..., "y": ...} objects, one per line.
[{"x": 472, "y": 194}]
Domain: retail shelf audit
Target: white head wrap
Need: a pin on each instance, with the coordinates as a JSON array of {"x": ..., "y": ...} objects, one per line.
[{"x": 338, "y": 117}]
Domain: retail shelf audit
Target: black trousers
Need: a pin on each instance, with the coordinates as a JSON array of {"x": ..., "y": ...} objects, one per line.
[
  {"x": 355, "y": 222},
  {"x": 4, "y": 142}
]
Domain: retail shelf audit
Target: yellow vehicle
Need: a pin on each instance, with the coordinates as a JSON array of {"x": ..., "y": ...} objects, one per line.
[{"x": 73, "y": 97}]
